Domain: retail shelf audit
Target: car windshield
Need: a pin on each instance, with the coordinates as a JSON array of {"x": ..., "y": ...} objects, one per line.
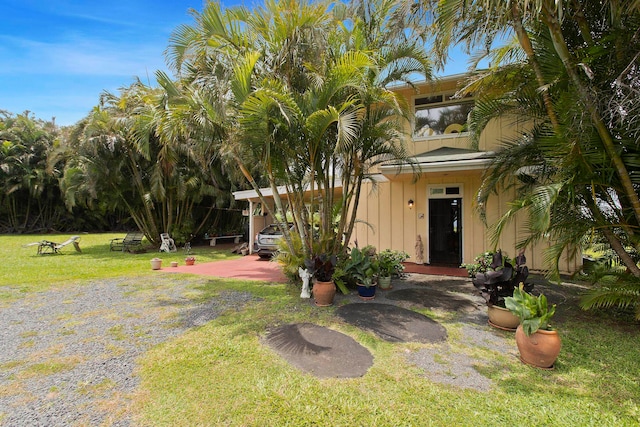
[{"x": 271, "y": 230}]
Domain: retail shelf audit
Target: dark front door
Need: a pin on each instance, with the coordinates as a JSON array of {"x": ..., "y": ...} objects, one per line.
[{"x": 445, "y": 232}]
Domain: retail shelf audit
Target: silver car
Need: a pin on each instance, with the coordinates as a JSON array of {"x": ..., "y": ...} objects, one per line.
[{"x": 267, "y": 241}]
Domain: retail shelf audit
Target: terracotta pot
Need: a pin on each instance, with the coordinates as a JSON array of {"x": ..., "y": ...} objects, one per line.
[
  {"x": 540, "y": 349},
  {"x": 501, "y": 318},
  {"x": 367, "y": 293},
  {"x": 384, "y": 282},
  {"x": 189, "y": 261},
  {"x": 323, "y": 293},
  {"x": 156, "y": 264}
]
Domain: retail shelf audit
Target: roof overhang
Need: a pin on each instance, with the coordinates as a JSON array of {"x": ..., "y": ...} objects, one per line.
[
  {"x": 267, "y": 192},
  {"x": 253, "y": 194},
  {"x": 443, "y": 159}
]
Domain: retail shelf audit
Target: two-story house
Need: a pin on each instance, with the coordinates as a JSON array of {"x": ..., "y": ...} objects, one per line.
[{"x": 439, "y": 206}]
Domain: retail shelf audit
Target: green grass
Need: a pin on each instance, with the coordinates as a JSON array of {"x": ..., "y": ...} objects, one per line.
[
  {"x": 26, "y": 271},
  {"x": 223, "y": 374}
]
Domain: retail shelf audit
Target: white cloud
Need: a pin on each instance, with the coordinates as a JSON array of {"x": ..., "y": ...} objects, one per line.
[{"x": 79, "y": 56}]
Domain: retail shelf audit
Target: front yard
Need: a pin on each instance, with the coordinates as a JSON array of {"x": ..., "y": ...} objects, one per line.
[{"x": 197, "y": 355}]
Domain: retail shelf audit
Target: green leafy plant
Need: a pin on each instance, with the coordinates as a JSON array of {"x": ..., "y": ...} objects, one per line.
[
  {"x": 362, "y": 266},
  {"x": 486, "y": 262},
  {"x": 390, "y": 262},
  {"x": 533, "y": 311}
]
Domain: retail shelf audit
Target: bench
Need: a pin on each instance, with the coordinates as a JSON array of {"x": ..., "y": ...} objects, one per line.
[
  {"x": 131, "y": 240},
  {"x": 236, "y": 238}
]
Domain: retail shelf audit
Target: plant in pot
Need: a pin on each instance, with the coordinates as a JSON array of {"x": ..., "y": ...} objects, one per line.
[
  {"x": 496, "y": 278},
  {"x": 362, "y": 268},
  {"x": 390, "y": 264},
  {"x": 322, "y": 267},
  {"x": 538, "y": 344},
  {"x": 189, "y": 259}
]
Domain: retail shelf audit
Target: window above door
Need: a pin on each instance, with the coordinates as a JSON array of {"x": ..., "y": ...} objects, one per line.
[{"x": 439, "y": 115}]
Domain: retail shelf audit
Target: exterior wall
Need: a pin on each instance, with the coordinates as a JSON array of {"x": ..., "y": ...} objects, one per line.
[{"x": 386, "y": 221}]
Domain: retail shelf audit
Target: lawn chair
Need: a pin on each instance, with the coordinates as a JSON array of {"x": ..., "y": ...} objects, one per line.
[
  {"x": 131, "y": 240},
  {"x": 168, "y": 245},
  {"x": 49, "y": 247}
]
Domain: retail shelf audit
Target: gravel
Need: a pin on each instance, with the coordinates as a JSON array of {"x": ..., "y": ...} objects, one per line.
[{"x": 69, "y": 355}]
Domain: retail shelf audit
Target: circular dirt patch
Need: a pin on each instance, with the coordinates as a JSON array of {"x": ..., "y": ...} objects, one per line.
[
  {"x": 392, "y": 323},
  {"x": 433, "y": 298},
  {"x": 320, "y": 351}
]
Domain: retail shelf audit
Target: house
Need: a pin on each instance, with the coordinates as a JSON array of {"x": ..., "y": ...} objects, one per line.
[{"x": 439, "y": 206}]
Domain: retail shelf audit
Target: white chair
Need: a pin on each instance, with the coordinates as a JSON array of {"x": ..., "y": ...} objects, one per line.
[
  {"x": 48, "y": 247},
  {"x": 168, "y": 245}
]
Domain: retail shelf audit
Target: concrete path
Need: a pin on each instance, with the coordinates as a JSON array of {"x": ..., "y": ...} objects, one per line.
[{"x": 250, "y": 267}]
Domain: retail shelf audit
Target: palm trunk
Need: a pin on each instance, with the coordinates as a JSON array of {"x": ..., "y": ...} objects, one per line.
[
  {"x": 525, "y": 43},
  {"x": 610, "y": 146}
]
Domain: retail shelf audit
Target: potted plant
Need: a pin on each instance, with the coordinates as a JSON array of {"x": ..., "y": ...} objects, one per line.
[
  {"x": 322, "y": 267},
  {"x": 361, "y": 268},
  {"x": 389, "y": 264},
  {"x": 538, "y": 343},
  {"x": 496, "y": 278},
  {"x": 189, "y": 259}
]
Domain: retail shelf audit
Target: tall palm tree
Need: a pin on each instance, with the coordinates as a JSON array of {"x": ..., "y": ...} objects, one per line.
[
  {"x": 565, "y": 46},
  {"x": 572, "y": 73},
  {"x": 28, "y": 193},
  {"x": 309, "y": 100},
  {"x": 134, "y": 153}
]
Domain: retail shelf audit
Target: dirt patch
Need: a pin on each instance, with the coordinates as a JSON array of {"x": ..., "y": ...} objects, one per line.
[
  {"x": 320, "y": 351},
  {"x": 392, "y": 323}
]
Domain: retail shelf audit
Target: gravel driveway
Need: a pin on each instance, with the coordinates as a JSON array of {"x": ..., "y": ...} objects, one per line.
[{"x": 68, "y": 355}]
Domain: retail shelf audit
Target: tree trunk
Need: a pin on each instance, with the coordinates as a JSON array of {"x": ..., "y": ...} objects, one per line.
[{"x": 610, "y": 147}]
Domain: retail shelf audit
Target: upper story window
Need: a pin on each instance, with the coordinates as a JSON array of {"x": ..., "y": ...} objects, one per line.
[{"x": 440, "y": 115}]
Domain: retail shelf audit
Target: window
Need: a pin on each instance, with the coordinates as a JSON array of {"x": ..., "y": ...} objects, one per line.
[{"x": 439, "y": 115}]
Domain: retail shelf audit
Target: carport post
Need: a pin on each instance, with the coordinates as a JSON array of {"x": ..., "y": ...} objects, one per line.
[{"x": 251, "y": 227}]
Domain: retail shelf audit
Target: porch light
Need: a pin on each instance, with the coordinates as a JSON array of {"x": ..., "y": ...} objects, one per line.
[{"x": 410, "y": 203}]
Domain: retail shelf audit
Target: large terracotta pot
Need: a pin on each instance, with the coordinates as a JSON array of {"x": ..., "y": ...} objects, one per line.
[
  {"x": 540, "y": 349},
  {"x": 323, "y": 293},
  {"x": 501, "y": 318}
]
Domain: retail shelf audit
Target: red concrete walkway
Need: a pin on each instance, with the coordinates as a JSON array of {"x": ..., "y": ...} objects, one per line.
[
  {"x": 250, "y": 267},
  {"x": 254, "y": 268}
]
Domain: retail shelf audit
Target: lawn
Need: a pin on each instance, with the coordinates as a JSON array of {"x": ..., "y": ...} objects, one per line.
[
  {"x": 27, "y": 271},
  {"x": 223, "y": 374}
]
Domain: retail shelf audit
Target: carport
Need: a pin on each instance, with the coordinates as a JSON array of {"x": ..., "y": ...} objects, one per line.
[{"x": 258, "y": 216}]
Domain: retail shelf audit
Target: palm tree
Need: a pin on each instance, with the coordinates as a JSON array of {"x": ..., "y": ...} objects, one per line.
[
  {"x": 28, "y": 197},
  {"x": 574, "y": 171},
  {"x": 571, "y": 38},
  {"x": 308, "y": 98},
  {"x": 134, "y": 154}
]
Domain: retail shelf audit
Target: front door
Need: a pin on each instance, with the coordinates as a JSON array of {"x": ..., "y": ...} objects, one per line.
[{"x": 445, "y": 232}]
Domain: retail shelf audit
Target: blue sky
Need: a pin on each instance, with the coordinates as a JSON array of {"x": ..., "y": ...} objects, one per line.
[{"x": 58, "y": 56}]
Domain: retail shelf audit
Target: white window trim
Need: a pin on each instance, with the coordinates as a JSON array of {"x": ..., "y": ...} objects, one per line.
[
  {"x": 449, "y": 102},
  {"x": 460, "y": 195},
  {"x": 444, "y": 196}
]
